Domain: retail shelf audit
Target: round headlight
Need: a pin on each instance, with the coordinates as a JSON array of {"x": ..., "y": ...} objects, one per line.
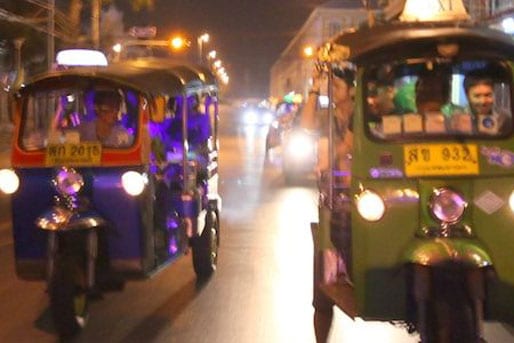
[
  {"x": 299, "y": 145},
  {"x": 9, "y": 181},
  {"x": 68, "y": 181},
  {"x": 370, "y": 206},
  {"x": 133, "y": 182},
  {"x": 447, "y": 205},
  {"x": 511, "y": 201}
]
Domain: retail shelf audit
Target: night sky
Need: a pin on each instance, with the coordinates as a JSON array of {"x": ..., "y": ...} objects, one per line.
[{"x": 248, "y": 35}]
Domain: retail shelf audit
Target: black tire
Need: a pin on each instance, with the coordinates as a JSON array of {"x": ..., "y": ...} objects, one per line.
[
  {"x": 451, "y": 313},
  {"x": 205, "y": 248},
  {"x": 69, "y": 301}
]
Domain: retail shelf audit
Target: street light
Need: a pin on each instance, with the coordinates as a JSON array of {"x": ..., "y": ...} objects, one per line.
[
  {"x": 212, "y": 54},
  {"x": 308, "y": 51},
  {"x": 178, "y": 43},
  {"x": 204, "y": 38}
]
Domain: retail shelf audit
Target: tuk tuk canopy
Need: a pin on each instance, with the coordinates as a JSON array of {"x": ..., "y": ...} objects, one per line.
[{"x": 149, "y": 76}]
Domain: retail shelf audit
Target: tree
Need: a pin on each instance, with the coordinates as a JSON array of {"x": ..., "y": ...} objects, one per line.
[
  {"x": 14, "y": 19},
  {"x": 75, "y": 9}
]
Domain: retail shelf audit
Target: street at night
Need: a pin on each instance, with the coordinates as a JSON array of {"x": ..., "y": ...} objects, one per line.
[{"x": 312, "y": 171}]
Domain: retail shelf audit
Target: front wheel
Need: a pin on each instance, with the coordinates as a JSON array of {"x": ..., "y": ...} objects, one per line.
[
  {"x": 68, "y": 296},
  {"x": 453, "y": 312},
  {"x": 205, "y": 247}
]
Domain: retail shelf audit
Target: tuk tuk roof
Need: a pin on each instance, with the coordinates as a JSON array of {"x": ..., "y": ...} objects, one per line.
[
  {"x": 402, "y": 40},
  {"x": 150, "y": 76}
]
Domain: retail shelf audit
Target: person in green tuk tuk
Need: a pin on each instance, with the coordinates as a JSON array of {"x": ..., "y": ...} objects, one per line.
[
  {"x": 332, "y": 239},
  {"x": 479, "y": 89}
]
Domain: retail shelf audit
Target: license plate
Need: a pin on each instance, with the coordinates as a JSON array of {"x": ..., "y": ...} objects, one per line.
[
  {"x": 440, "y": 159},
  {"x": 81, "y": 154}
]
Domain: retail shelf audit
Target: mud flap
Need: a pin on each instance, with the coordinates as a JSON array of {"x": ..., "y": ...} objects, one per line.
[{"x": 330, "y": 288}]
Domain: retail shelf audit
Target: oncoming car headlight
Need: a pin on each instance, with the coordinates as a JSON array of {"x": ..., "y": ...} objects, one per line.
[
  {"x": 511, "y": 201},
  {"x": 250, "y": 116},
  {"x": 447, "y": 205},
  {"x": 9, "y": 181},
  {"x": 68, "y": 181},
  {"x": 370, "y": 206},
  {"x": 299, "y": 145},
  {"x": 133, "y": 182}
]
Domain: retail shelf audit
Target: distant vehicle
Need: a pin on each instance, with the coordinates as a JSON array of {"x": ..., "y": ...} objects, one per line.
[
  {"x": 298, "y": 147},
  {"x": 256, "y": 113},
  {"x": 282, "y": 121},
  {"x": 299, "y": 153}
]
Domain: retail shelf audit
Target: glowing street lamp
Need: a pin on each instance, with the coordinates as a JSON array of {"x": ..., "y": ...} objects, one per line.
[
  {"x": 212, "y": 54},
  {"x": 178, "y": 43},
  {"x": 204, "y": 38},
  {"x": 308, "y": 51},
  {"x": 217, "y": 64}
]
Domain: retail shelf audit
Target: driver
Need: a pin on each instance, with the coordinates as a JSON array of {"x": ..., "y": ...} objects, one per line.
[{"x": 105, "y": 127}]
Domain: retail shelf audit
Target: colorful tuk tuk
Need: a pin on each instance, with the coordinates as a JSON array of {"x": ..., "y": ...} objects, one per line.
[
  {"x": 432, "y": 191},
  {"x": 114, "y": 176}
]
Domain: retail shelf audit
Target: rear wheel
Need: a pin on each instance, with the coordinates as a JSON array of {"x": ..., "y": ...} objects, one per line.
[
  {"x": 205, "y": 248},
  {"x": 68, "y": 296}
]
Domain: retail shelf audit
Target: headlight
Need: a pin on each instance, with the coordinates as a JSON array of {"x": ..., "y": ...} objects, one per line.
[
  {"x": 267, "y": 117},
  {"x": 133, "y": 182},
  {"x": 250, "y": 117},
  {"x": 370, "y": 205},
  {"x": 68, "y": 181},
  {"x": 511, "y": 201},
  {"x": 299, "y": 145},
  {"x": 9, "y": 181},
  {"x": 447, "y": 205}
]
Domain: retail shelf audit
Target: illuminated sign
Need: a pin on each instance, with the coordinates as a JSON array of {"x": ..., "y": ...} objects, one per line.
[
  {"x": 81, "y": 57},
  {"x": 433, "y": 10}
]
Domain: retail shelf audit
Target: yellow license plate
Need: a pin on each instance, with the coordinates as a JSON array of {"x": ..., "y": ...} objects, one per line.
[
  {"x": 440, "y": 159},
  {"x": 80, "y": 154}
]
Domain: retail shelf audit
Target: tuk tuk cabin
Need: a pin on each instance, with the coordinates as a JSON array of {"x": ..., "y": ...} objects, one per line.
[
  {"x": 408, "y": 162},
  {"x": 119, "y": 179}
]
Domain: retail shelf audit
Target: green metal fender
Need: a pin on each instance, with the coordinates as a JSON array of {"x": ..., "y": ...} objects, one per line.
[{"x": 434, "y": 251}]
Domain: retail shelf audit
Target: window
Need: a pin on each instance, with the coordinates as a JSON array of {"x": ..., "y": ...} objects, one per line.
[
  {"x": 431, "y": 98},
  {"x": 66, "y": 115}
]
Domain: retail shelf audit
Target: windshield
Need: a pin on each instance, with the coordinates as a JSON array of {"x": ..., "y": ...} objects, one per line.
[
  {"x": 436, "y": 99},
  {"x": 101, "y": 115}
]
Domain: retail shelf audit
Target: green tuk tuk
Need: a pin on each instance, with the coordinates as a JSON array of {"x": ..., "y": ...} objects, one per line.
[{"x": 431, "y": 199}]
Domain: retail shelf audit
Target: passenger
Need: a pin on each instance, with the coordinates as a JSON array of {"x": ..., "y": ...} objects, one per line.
[
  {"x": 380, "y": 100},
  {"x": 479, "y": 90},
  {"x": 106, "y": 128},
  {"x": 329, "y": 263},
  {"x": 433, "y": 94},
  {"x": 432, "y": 101}
]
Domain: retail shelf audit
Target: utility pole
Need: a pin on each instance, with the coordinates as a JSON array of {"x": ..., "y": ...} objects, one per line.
[
  {"x": 51, "y": 31},
  {"x": 95, "y": 22},
  {"x": 20, "y": 72}
]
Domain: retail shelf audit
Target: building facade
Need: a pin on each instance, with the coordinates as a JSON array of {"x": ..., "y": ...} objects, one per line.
[{"x": 292, "y": 70}]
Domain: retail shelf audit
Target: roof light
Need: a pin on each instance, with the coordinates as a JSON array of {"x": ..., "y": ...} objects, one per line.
[
  {"x": 433, "y": 10},
  {"x": 508, "y": 25},
  {"x": 81, "y": 57}
]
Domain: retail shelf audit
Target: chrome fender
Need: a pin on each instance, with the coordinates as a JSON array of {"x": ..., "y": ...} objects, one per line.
[
  {"x": 431, "y": 252},
  {"x": 62, "y": 219}
]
